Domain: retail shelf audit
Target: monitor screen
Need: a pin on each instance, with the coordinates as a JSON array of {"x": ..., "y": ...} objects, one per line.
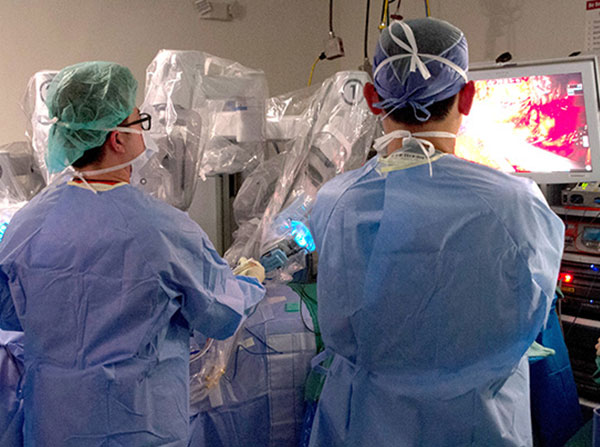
[
  {"x": 536, "y": 120},
  {"x": 591, "y": 234}
]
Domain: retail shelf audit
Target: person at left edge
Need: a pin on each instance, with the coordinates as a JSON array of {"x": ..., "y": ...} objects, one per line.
[{"x": 107, "y": 282}]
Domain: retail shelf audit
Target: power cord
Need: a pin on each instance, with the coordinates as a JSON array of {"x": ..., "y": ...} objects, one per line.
[
  {"x": 384, "y": 15},
  {"x": 312, "y": 70}
]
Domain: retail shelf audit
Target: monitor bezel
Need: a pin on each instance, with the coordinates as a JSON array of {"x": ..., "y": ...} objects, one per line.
[{"x": 588, "y": 67}]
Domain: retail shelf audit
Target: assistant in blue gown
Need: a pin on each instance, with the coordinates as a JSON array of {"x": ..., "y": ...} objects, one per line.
[
  {"x": 107, "y": 288},
  {"x": 431, "y": 289},
  {"x": 435, "y": 274}
]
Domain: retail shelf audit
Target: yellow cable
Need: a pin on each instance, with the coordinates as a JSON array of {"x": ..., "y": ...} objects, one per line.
[
  {"x": 383, "y": 23},
  {"x": 312, "y": 70},
  {"x": 428, "y": 12}
]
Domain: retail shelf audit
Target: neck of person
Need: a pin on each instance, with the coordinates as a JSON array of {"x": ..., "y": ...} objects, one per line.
[
  {"x": 440, "y": 143},
  {"x": 120, "y": 175}
]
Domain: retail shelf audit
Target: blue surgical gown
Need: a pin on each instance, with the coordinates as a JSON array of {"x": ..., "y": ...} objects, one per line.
[
  {"x": 107, "y": 288},
  {"x": 11, "y": 406},
  {"x": 555, "y": 411},
  {"x": 430, "y": 290}
]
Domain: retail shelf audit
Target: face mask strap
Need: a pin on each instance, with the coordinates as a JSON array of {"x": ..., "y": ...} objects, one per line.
[
  {"x": 82, "y": 178},
  {"x": 107, "y": 170},
  {"x": 116, "y": 167},
  {"x": 426, "y": 146},
  {"x": 74, "y": 172}
]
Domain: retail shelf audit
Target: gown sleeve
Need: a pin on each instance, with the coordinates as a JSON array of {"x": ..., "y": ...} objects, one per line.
[{"x": 213, "y": 299}]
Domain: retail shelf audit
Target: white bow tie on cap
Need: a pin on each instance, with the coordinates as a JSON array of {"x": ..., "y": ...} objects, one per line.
[
  {"x": 426, "y": 146},
  {"x": 413, "y": 53},
  {"x": 415, "y": 60}
]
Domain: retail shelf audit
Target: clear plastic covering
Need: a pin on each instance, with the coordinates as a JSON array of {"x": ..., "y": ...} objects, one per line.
[
  {"x": 209, "y": 114},
  {"x": 20, "y": 178},
  {"x": 235, "y": 137},
  {"x": 38, "y": 119},
  {"x": 208, "y": 362},
  {"x": 254, "y": 195},
  {"x": 317, "y": 134},
  {"x": 171, "y": 173},
  {"x": 8, "y": 207}
]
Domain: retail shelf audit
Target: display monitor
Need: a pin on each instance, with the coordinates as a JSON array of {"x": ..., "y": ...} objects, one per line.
[{"x": 538, "y": 120}]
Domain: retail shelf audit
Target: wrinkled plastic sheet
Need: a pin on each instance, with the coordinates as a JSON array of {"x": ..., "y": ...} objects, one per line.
[
  {"x": 208, "y": 119},
  {"x": 319, "y": 133},
  {"x": 223, "y": 100},
  {"x": 20, "y": 178},
  {"x": 38, "y": 119},
  {"x": 8, "y": 208}
]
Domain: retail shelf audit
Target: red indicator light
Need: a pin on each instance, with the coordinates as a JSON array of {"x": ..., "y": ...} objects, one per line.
[{"x": 566, "y": 278}]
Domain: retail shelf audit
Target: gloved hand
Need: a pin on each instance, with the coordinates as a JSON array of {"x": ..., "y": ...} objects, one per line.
[
  {"x": 538, "y": 352},
  {"x": 250, "y": 267}
]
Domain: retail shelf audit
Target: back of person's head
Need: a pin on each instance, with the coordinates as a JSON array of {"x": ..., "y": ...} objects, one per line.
[
  {"x": 85, "y": 100},
  {"x": 419, "y": 67}
]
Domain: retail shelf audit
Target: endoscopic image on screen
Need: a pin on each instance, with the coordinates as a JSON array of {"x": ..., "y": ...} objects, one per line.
[{"x": 528, "y": 124}]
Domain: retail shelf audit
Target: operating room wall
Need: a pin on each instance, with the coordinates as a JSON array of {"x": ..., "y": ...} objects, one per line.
[
  {"x": 532, "y": 29},
  {"x": 281, "y": 37}
]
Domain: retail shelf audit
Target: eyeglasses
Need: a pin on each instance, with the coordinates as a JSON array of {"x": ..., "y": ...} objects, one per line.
[{"x": 145, "y": 121}]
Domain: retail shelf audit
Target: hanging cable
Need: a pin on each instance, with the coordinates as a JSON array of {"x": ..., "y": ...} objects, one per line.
[
  {"x": 312, "y": 70},
  {"x": 331, "y": 17},
  {"x": 387, "y": 12},
  {"x": 427, "y": 10},
  {"x": 366, "y": 42},
  {"x": 366, "y": 66},
  {"x": 384, "y": 15}
]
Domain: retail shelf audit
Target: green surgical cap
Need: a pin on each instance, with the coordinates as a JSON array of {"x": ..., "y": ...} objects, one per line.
[{"x": 85, "y": 100}]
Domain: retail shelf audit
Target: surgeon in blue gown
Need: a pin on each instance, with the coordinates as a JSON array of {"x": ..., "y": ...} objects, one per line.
[
  {"x": 107, "y": 282},
  {"x": 435, "y": 274}
]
